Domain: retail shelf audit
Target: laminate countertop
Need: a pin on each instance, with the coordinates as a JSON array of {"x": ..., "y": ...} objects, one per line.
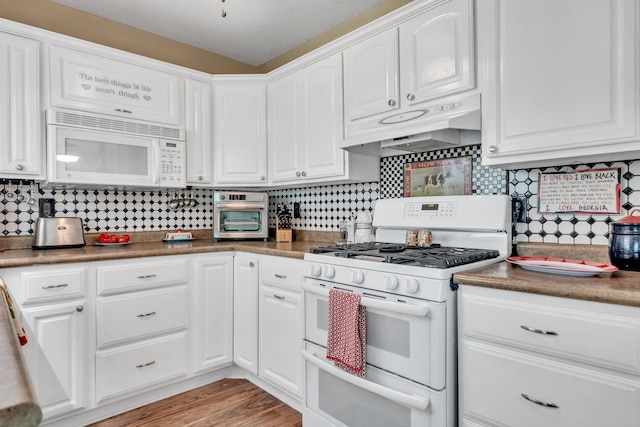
[{"x": 620, "y": 287}]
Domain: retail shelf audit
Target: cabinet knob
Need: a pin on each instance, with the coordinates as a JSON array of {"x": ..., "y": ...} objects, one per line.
[
  {"x": 262, "y": 178},
  {"x": 79, "y": 308},
  {"x": 391, "y": 103},
  {"x": 304, "y": 173},
  {"x": 251, "y": 264},
  {"x": 122, "y": 110},
  {"x": 19, "y": 167},
  {"x": 297, "y": 173},
  {"x": 200, "y": 178},
  {"x": 492, "y": 149},
  {"x": 411, "y": 97}
]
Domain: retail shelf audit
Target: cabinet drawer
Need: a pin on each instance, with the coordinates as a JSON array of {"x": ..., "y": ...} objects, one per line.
[
  {"x": 499, "y": 380},
  {"x": 49, "y": 285},
  {"x": 119, "y": 278},
  {"x": 124, "y": 317},
  {"x": 282, "y": 273},
  {"x": 596, "y": 333},
  {"x": 136, "y": 366}
]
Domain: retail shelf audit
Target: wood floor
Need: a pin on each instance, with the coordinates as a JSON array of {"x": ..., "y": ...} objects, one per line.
[{"x": 229, "y": 403}]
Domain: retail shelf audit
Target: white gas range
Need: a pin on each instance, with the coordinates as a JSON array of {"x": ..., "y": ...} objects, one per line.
[{"x": 411, "y": 310}]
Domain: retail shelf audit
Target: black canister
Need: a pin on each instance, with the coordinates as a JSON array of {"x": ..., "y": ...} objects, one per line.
[{"x": 624, "y": 242}]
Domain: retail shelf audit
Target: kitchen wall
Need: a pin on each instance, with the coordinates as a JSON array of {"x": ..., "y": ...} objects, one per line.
[{"x": 323, "y": 207}]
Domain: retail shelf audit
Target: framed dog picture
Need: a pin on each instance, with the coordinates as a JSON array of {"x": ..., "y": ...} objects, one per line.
[{"x": 444, "y": 177}]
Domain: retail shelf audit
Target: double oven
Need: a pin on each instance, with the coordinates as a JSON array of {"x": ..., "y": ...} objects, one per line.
[{"x": 410, "y": 377}]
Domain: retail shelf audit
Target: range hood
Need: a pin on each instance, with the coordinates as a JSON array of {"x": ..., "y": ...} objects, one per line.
[{"x": 455, "y": 122}]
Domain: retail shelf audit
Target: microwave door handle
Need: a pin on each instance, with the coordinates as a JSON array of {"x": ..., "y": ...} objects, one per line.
[
  {"x": 396, "y": 307},
  {"x": 155, "y": 154},
  {"x": 410, "y": 400}
]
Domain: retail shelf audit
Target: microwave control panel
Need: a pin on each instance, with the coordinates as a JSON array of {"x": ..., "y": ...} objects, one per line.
[{"x": 172, "y": 163}]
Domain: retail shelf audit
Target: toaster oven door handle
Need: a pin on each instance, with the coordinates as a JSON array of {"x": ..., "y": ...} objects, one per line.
[
  {"x": 396, "y": 307},
  {"x": 410, "y": 400},
  {"x": 240, "y": 206}
]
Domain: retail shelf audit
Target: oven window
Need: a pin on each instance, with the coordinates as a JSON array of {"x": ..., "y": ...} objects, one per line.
[
  {"x": 383, "y": 332},
  {"x": 238, "y": 221},
  {"x": 354, "y": 406}
]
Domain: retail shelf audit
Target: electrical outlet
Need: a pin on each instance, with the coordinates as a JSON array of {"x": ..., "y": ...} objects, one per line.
[
  {"x": 296, "y": 210},
  {"x": 519, "y": 209}
]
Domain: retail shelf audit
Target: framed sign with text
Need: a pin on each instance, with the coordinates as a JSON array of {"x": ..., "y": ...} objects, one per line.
[
  {"x": 594, "y": 191},
  {"x": 444, "y": 177}
]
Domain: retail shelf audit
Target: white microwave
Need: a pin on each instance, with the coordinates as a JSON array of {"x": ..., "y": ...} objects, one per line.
[{"x": 105, "y": 159}]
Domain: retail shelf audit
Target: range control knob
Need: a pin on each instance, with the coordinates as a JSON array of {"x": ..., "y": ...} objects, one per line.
[
  {"x": 411, "y": 285},
  {"x": 357, "y": 276},
  {"x": 316, "y": 270},
  {"x": 328, "y": 271},
  {"x": 391, "y": 282}
]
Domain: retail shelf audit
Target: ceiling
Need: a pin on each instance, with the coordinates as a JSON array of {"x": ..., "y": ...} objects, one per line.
[{"x": 253, "y": 32}]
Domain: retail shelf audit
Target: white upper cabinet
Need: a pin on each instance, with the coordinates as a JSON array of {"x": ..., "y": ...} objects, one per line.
[
  {"x": 199, "y": 133},
  {"x": 560, "y": 81},
  {"x": 240, "y": 133},
  {"x": 21, "y": 148},
  {"x": 422, "y": 59},
  {"x": 306, "y": 128},
  {"x": 93, "y": 83}
]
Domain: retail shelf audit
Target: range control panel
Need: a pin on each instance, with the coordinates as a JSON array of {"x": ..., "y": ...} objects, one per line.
[{"x": 439, "y": 210}]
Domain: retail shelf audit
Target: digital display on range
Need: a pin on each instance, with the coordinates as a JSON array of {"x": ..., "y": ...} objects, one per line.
[
  {"x": 172, "y": 144},
  {"x": 237, "y": 197},
  {"x": 430, "y": 207}
]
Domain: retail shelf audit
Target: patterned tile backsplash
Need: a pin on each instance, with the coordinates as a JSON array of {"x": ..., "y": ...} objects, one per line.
[{"x": 322, "y": 207}]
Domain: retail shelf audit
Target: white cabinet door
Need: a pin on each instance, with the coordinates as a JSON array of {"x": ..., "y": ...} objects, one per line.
[
  {"x": 21, "y": 148},
  {"x": 322, "y": 115},
  {"x": 284, "y": 118},
  {"x": 436, "y": 52},
  {"x": 199, "y": 133},
  {"x": 574, "y": 102},
  {"x": 55, "y": 355},
  {"x": 371, "y": 76},
  {"x": 239, "y": 133},
  {"x": 213, "y": 326},
  {"x": 82, "y": 81},
  {"x": 245, "y": 312},
  {"x": 281, "y": 338}
]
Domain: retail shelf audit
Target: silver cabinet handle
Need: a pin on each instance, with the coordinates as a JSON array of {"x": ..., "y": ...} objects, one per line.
[
  {"x": 148, "y": 276},
  {"x": 304, "y": 173},
  {"x": 200, "y": 178},
  {"x": 146, "y": 314},
  {"x": 278, "y": 296},
  {"x": 391, "y": 103},
  {"x": 281, "y": 276},
  {"x": 538, "y": 331},
  {"x": 252, "y": 264},
  {"x": 297, "y": 173},
  {"x": 492, "y": 149},
  {"x": 61, "y": 285},
  {"x": 539, "y": 402},
  {"x": 411, "y": 97},
  {"x": 146, "y": 364},
  {"x": 79, "y": 308},
  {"x": 262, "y": 178},
  {"x": 122, "y": 110},
  {"x": 19, "y": 167}
]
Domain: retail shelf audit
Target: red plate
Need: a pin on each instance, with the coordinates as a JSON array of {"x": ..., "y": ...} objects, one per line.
[{"x": 573, "y": 267}]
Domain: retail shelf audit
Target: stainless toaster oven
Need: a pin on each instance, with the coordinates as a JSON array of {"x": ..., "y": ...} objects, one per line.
[{"x": 240, "y": 215}]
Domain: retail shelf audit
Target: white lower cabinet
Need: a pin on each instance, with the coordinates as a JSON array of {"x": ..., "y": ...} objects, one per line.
[
  {"x": 245, "y": 312},
  {"x": 57, "y": 317},
  {"x": 531, "y": 360},
  {"x": 142, "y": 323},
  {"x": 213, "y": 311},
  {"x": 280, "y": 360}
]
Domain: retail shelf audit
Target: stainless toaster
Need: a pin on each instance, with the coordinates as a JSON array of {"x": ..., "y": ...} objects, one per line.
[{"x": 55, "y": 233}]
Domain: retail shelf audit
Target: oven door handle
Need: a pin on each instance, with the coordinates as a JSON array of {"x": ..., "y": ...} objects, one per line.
[
  {"x": 240, "y": 206},
  {"x": 396, "y": 307},
  {"x": 410, "y": 400}
]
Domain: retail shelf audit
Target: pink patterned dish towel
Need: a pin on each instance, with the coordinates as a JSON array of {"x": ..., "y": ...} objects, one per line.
[{"x": 347, "y": 340}]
